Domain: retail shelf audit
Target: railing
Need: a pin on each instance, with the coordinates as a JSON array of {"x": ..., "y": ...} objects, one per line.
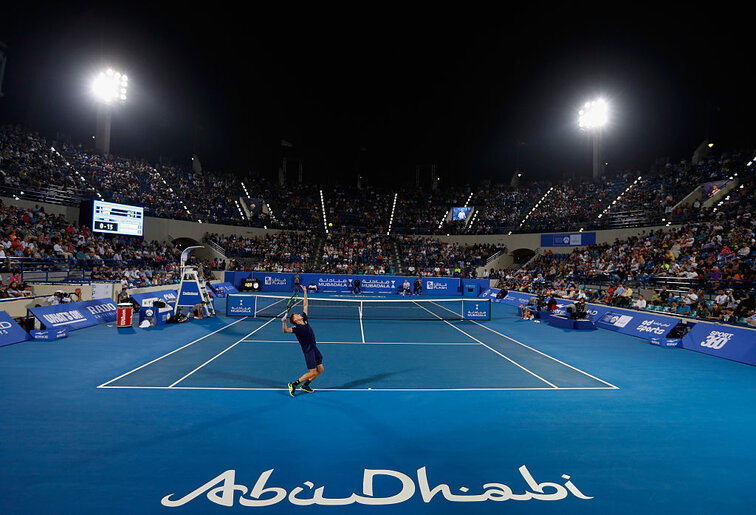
[
  {"x": 215, "y": 246},
  {"x": 650, "y": 306},
  {"x": 70, "y": 270},
  {"x": 50, "y": 195},
  {"x": 673, "y": 284}
]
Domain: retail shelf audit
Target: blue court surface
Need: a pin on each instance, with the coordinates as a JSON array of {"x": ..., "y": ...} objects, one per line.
[{"x": 502, "y": 416}]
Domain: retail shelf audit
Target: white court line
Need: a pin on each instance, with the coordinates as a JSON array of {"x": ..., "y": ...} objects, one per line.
[
  {"x": 362, "y": 330},
  {"x": 221, "y": 353},
  {"x": 372, "y": 343},
  {"x": 253, "y": 389},
  {"x": 546, "y": 355},
  {"x": 539, "y": 352},
  {"x": 176, "y": 350},
  {"x": 491, "y": 349}
]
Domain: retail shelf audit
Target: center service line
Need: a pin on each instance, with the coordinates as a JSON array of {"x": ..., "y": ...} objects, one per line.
[
  {"x": 489, "y": 348},
  {"x": 222, "y": 352}
]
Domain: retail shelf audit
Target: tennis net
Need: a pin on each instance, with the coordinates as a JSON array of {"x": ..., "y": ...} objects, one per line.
[{"x": 269, "y": 306}]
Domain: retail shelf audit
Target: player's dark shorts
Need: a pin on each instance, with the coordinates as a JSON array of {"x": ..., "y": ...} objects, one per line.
[{"x": 313, "y": 358}]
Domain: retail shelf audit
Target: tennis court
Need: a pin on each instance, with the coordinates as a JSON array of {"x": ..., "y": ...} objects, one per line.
[{"x": 415, "y": 416}]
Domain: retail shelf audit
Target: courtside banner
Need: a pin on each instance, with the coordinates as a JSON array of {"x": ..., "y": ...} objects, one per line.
[
  {"x": 76, "y": 315},
  {"x": 568, "y": 240},
  {"x": 735, "y": 343},
  {"x": 515, "y": 298},
  {"x": 626, "y": 321},
  {"x": 274, "y": 281},
  {"x": 147, "y": 299},
  {"x": 240, "y": 305},
  {"x": 51, "y": 334},
  {"x": 10, "y": 331},
  {"x": 441, "y": 286},
  {"x": 476, "y": 309},
  {"x": 491, "y": 293},
  {"x": 223, "y": 289},
  {"x": 236, "y": 278},
  {"x": 636, "y": 323}
]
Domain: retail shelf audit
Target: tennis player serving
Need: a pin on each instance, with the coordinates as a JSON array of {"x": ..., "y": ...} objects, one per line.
[{"x": 301, "y": 328}]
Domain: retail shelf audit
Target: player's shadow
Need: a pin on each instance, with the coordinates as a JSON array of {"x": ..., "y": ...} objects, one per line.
[
  {"x": 244, "y": 380},
  {"x": 370, "y": 380}
]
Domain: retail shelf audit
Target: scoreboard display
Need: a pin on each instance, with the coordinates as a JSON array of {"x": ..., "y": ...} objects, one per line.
[{"x": 111, "y": 218}]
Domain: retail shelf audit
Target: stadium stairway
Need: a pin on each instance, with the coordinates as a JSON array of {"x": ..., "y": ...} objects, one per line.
[
  {"x": 317, "y": 255},
  {"x": 396, "y": 262}
]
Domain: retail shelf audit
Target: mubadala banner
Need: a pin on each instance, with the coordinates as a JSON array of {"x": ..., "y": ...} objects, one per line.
[
  {"x": 476, "y": 309},
  {"x": 240, "y": 305}
]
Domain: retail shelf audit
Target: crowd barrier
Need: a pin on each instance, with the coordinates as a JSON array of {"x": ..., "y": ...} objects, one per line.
[
  {"x": 735, "y": 343},
  {"x": 168, "y": 296},
  {"x": 376, "y": 284},
  {"x": 10, "y": 331},
  {"x": 222, "y": 289},
  {"x": 75, "y": 315},
  {"x": 725, "y": 341}
]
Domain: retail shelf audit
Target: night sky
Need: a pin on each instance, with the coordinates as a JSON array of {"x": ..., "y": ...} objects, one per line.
[{"x": 477, "y": 93}]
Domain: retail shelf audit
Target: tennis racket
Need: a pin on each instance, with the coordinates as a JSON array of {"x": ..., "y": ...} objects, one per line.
[{"x": 292, "y": 302}]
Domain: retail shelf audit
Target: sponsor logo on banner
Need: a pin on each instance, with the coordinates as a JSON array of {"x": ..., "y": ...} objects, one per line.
[
  {"x": 236, "y": 306},
  {"x": 437, "y": 285},
  {"x": 335, "y": 282},
  {"x": 716, "y": 339},
  {"x": 4, "y": 326},
  {"x": 379, "y": 284},
  {"x": 274, "y": 281},
  {"x": 64, "y": 317},
  {"x": 654, "y": 327},
  {"x": 77, "y": 314},
  {"x": 476, "y": 310},
  {"x": 391, "y": 487},
  {"x": 620, "y": 320}
]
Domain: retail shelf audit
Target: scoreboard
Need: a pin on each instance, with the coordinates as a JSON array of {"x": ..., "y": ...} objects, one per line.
[{"x": 111, "y": 218}]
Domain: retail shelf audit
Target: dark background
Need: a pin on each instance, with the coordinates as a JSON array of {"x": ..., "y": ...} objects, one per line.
[{"x": 479, "y": 93}]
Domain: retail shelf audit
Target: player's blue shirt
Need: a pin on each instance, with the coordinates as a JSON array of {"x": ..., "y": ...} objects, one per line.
[{"x": 305, "y": 334}]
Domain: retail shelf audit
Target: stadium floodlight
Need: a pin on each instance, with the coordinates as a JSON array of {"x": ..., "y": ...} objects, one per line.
[
  {"x": 593, "y": 117},
  {"x": 109, "y": 88}
]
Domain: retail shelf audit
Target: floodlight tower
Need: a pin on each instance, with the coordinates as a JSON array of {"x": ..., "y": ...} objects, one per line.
[
  {"x": 592, "y": 118},
  {"x": 109, "y": 89}
]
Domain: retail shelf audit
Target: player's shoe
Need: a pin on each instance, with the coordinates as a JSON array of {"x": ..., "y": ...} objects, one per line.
[
  {"x": 306, "y": 389},
  {"x": 291, "y": 389}
]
